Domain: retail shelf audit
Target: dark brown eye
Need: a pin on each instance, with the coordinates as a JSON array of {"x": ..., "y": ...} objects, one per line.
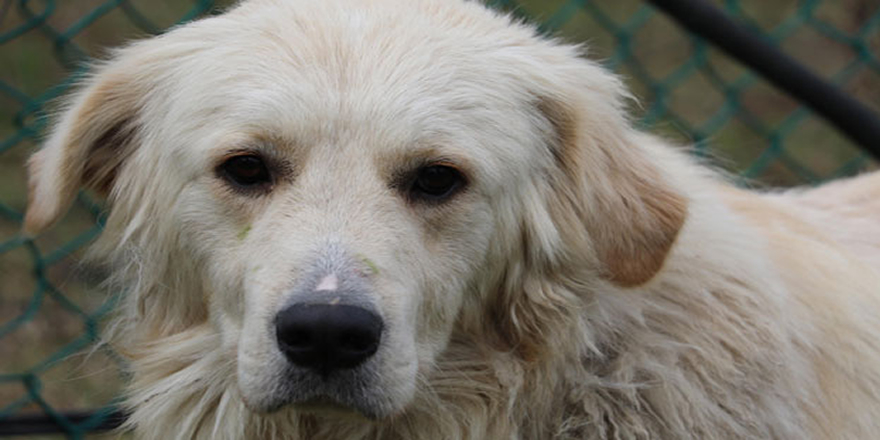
[
  {"x": 246, "y": 171},
  {"x": 437, "y": 182}
]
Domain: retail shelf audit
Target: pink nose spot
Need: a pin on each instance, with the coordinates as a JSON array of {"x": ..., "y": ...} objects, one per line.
[{"x": 328, "y": 283}]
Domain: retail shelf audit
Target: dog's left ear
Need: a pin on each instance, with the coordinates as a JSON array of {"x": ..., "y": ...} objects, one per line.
[
  {"x": 607, "y": 184},
  {"x": 85, "y": 148},
  {"x": 614, "y": 211}
]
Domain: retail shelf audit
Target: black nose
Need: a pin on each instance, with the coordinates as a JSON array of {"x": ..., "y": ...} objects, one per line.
[{"x": 326, "y": 337}]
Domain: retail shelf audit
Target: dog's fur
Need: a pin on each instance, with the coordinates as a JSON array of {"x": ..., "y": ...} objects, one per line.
[{"x": 589, "y": 282}]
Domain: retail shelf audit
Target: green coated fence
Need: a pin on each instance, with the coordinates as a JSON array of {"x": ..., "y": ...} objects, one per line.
[{"x": 51, "y": 308}]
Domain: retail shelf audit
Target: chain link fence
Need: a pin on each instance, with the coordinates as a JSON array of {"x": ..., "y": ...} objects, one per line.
[{"x": 50, "y": 311}]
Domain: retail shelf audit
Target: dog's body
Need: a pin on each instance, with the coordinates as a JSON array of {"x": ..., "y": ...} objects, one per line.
[{"x": 565, "y": 277}]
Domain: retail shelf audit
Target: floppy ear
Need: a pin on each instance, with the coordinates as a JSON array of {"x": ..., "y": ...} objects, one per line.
[
  {"x": 85, "y": 149},
  {"x": 608, "y": 185},
  {"x": 608, "y": 213}
]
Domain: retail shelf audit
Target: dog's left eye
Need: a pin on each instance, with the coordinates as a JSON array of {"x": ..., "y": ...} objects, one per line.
[
  {"x": 246, "y": 171},
  {"x": 437, "y": 182}
]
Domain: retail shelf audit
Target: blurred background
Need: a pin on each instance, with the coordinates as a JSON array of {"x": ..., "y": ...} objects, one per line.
[{"x": 51, "y": 307}]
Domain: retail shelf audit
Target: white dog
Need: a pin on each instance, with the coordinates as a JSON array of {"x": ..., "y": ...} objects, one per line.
[{"x": 417, "y": 219}]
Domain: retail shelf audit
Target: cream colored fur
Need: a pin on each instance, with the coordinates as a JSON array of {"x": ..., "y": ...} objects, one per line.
[{"x": 590, "y": 282}]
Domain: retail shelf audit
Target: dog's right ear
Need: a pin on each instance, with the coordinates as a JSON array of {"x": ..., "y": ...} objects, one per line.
[{"x": 88, "y": 144}]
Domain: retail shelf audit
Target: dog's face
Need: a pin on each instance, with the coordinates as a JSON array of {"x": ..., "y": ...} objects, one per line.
[{"x": 338, "y": 188}]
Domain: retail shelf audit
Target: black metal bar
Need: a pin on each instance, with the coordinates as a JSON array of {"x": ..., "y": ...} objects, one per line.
[
  {"x": 29, "y": 424},
  {"x": 851, "y": 117}
]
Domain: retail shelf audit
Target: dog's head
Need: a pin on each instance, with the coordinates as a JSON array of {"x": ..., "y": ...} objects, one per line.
[{"x": 335, "y": 188}]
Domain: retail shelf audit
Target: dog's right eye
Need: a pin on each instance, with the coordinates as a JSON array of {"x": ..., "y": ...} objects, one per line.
[{"x": 247, "y": 171}]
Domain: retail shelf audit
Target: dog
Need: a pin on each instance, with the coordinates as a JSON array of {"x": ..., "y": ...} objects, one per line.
[{"x": 420, "y": 219}]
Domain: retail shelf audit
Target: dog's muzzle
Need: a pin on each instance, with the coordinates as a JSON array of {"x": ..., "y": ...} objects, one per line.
[{"x": 331, "y": 343}]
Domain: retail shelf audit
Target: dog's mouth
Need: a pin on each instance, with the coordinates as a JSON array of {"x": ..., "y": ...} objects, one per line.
[
  {"x": 351, "y": 393},
  {"x": 325, "y": 405}
]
